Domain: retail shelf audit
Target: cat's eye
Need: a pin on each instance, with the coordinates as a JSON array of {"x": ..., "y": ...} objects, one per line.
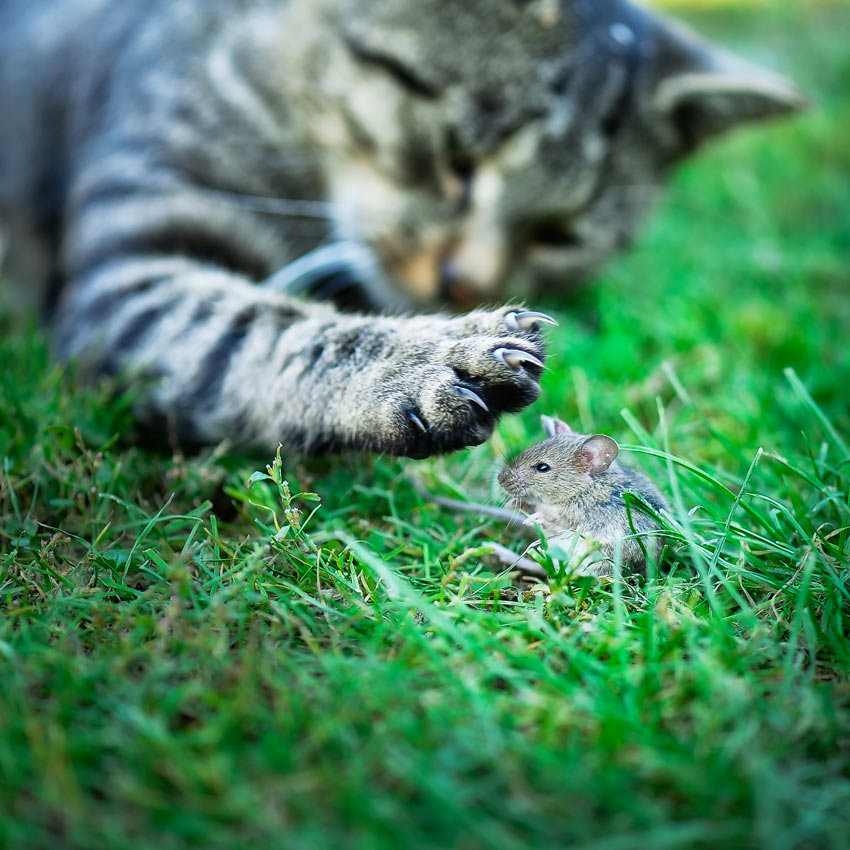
[
  {"x": 392, "y": 66},
  {"x": 553, "y": 233},
  {"x": 613, "y": 122},
  {"x": 542, "y": 467}
]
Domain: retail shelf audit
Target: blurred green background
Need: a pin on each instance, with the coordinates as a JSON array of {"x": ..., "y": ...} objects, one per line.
[{"x": 188, "y": 660}]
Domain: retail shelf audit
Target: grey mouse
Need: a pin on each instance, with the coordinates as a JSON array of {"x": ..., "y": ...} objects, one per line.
[{"x": 575, "y": 488}]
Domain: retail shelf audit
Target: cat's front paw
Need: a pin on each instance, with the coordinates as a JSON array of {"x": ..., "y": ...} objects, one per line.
[{"x": 478, "y": 367}]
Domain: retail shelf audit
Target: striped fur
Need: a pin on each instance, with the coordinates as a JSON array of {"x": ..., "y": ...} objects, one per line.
[{"x": 159, "y": 161}]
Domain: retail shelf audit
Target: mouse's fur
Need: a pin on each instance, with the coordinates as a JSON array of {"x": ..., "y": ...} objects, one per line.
[{"x": 576, "y": 487}]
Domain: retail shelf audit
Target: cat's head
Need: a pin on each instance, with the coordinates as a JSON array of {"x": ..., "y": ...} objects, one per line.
[{"x": 473, "y": 142}]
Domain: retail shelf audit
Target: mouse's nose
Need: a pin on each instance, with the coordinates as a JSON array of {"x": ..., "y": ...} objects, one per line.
[{"x": 510, "y": 480}]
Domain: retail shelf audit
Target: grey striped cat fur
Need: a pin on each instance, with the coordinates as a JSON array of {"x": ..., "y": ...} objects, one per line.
[{"x": 161, "y": 159}]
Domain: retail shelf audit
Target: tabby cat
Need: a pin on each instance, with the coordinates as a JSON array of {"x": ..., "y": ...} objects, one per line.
[{"x": 161, "y": 160}]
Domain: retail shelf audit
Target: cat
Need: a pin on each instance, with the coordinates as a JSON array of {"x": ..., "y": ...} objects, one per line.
[{"x": 159, "y": 161}]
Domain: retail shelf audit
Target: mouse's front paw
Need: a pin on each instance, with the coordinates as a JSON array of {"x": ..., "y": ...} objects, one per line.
[{"x": 479, "y": 366}]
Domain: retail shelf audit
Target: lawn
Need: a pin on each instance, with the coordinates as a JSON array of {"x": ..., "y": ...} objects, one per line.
[{"x": 194, "y": 653}]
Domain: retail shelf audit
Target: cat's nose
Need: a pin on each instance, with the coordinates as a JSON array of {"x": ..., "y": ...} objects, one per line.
[
  {"x": 466, "y": 287},
  {"x": 474, "y": 266},
  {"x": 456, "y": 288}
]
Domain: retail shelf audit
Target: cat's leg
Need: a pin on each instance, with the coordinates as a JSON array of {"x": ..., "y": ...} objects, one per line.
[{"x": 223, "y": 358}]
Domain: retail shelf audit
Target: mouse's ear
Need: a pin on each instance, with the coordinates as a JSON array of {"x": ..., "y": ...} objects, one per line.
[
  {"x": 552, "y": 426},
  {"x": 598, "y": 452}
]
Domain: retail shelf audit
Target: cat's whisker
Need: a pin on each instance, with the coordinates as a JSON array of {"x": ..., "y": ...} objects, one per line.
[
  {"x": 287, "y": 207},
  {"x": 296, "y": 208}
]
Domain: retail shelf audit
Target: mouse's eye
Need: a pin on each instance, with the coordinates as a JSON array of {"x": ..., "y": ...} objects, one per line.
[{"x": 542, "y": 467}]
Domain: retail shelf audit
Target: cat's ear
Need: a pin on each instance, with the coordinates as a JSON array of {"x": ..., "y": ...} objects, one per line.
[
  {"x": 554, "y": 426},
  {"x": 706, "y": 90},
  {"x": 598, "y": 452},
  {"x": 705, "y": 104}
]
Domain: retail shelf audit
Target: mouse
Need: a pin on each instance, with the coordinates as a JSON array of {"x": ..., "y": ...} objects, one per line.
[{"x": 575, "y": 488}]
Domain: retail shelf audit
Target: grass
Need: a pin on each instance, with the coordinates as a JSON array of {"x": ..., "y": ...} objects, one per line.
[{"x": 196, "y": 655}]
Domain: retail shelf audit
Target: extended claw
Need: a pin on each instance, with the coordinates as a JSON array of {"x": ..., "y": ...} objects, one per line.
[
  {"x": 514, "y": 358},
  {"x": 417, "y": 421},
  {"x": 473, "y": 397},
  {"x": 526, "y": 319}
]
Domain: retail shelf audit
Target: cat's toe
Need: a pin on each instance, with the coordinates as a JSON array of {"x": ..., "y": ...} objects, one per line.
[
  {"x": 516, "y": 358},
  {"x": 473, "y": 397},
  {"x": 503, "y": 372},
  {"x": 526, "y": 320},
  {"x": 477, "y": 368},
  {"x": 446, "y": 417},
  {"x": 417, "y": 422},
  {"x": 511, "y": 319}
]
